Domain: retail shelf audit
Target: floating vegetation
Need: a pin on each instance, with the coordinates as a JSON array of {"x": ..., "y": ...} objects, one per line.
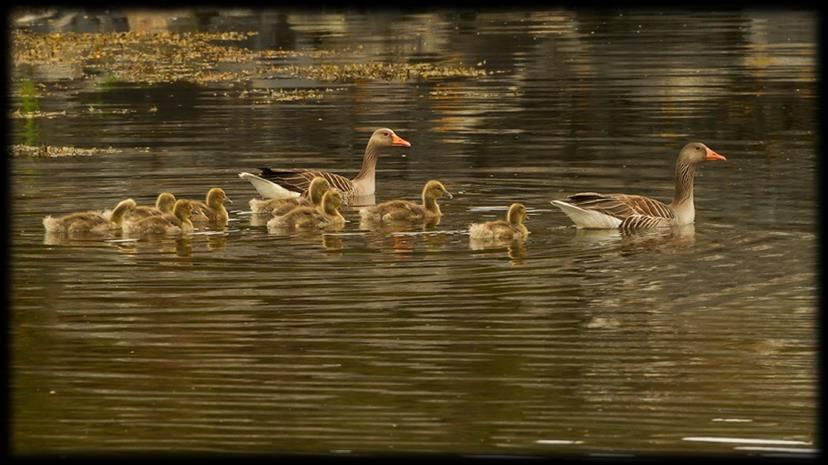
[
  {"x": 49, "y": 151},
  {"x": 375, "y": 71},
  {"x": 283, "y": 95},
  {"x": 37, "y": 114},
  {"x": 198, "y": 57},
  {"x": 23, "y": 114}
]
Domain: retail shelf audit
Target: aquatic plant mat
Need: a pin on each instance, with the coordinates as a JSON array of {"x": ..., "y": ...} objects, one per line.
[{"x": 204, "y": 57}]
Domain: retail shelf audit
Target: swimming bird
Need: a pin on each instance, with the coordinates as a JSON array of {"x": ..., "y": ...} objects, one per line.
[
  {"x": 405, "y": 210},
  {"x": 500, "y": 230},
  {"x": 91, "y": 221},
  {"x": 608, "y": 211},
  {"x": 287, "y": 183},
  {"x": 324, "y": 216},
  {"x": 174, "y": 223},
  {"x": 212, "y": 211},
  {"x": 315, "y": 191},
  {"x": 163, "y": 204}
]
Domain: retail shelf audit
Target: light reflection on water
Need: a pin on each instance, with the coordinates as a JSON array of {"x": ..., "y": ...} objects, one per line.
[{"x": 417, "y": 339}]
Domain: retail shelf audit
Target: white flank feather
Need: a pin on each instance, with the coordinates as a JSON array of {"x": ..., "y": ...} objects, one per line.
[
  {"x": 268, "y": 189},
  {"x": 587, "y": 219}
]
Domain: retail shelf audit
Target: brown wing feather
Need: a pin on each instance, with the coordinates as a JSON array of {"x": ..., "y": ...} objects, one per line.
[
  {"x": 299, "y": 180},
  {"x": 643, "y": 222},
  {"x": 622, "y": 206}
]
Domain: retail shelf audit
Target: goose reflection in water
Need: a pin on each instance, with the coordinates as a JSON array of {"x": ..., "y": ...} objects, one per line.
[{"x": 639, "y": 240}]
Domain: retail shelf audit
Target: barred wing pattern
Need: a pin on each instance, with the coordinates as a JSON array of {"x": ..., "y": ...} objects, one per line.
[
  {"x": 299, "y": 180},
  {"x": 634, "y": 211}
]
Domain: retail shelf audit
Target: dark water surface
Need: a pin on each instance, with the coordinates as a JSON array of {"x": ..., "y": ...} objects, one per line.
[{"x": 701, "y": 339}]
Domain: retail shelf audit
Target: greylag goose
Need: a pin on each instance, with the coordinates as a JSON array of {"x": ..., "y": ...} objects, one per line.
[
  {"x": 91, "y": 221},
  {"x": 287, "y": 183},
  {"x": 500, "y": 230},
  {"x": 212, "y": 211},
  {"x": 163, "y": 204},
  {"x": 405, "y": 210},
  {"x": 608, "y": 211},
  {"x": 324, "y": 216},
  {"x": 174, "y": 223},
  {"x": 278, "y": 207}
]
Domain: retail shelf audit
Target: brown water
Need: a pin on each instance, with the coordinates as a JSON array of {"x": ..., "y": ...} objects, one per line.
[{"x": 698, "y": 340}]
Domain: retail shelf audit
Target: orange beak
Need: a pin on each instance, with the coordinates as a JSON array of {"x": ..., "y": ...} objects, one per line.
[
  {"x": 711, "y": 155},
  {"x": 399, "y": 141}
]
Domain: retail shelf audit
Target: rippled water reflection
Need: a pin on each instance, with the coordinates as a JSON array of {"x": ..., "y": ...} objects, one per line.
[{"x": 696, "y": 339}]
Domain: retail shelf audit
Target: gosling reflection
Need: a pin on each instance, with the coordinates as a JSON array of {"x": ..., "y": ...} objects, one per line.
[
  {"x": 515, "y": 248},
  {"x": 216, "y": 242},
  {"x": 332, "y": 243},
  {"x": 398, "y": 226},
  {"x": 78, "y": 239},
  {"x": 401, "y": 238}
]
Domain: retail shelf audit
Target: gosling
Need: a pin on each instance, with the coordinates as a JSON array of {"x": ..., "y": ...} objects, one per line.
[
  {"x": 278, "y": 207},
  {"x": 326, "y": 215},
  {"x": 175, "y": 223},
  {"x": 91, "y": 221},
  {"x": 163, "y": 204},
  {"x": 500, "y": 230},
  {"x": 405, "y": 210},
  {"x": 212, "y": 211}
]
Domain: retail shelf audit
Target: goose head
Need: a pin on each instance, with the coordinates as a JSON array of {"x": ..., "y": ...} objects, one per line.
[
  {"x": 165, "y": 202},
  {"x": 121, "y": 211},
  {"x": 216, "y": 197},
  {"x": 331, "y": 201},
  {"x": 517, "y": 214},
  {"x": 182, "y": 210},
  {"x": 385, "y": 137},
  {"x": 435, "y": 189},
  {"x": 696, "y": 152},
  {"x": 317, "y": 189}
]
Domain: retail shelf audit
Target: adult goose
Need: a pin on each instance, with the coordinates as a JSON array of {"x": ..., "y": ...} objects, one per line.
[
  {"x": 499, "y": 230},
  {"x": 608, "y": 211},
  {"x": 287, "y": 183},
  {"x": 91, "y": 221},
  {"x": 407, "y": 211}
]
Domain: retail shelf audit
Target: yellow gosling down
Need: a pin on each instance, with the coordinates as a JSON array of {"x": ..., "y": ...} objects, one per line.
[
  {"x": 500, "y": 230},
  {"x": 326, "y": 215},
  {"x": 405, "y": 210},
  {"x": 177, "y": 222},
  {"x": 163, "y": 204},
  {"x": 212, "y": 211},
  {"x": 278, "y": 207},
  {"x": 91, "y": 221}
]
